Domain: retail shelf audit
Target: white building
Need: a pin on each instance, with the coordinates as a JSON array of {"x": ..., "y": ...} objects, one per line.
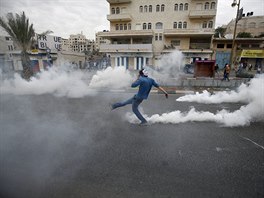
[{"x": 142, "y": 31}]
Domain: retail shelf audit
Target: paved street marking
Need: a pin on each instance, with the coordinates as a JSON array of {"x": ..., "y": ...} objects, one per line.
[{"x": 253, "y": 142}]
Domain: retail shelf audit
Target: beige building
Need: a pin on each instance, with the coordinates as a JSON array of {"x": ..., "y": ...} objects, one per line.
[
  {"x": 252, "y": 24},
  {"x": 142, "y": 31}
]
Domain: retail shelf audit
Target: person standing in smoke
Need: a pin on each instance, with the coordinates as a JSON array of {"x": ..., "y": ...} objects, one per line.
[{"x": 145, "y": 84}]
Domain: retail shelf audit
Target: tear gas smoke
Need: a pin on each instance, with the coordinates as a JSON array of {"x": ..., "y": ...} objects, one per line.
[
  {"x": 65, "y": 82},
  {"x": 253, "y": 94}
]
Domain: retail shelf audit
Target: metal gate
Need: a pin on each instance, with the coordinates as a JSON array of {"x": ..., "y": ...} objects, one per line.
[{"x": 222, "y": 58}]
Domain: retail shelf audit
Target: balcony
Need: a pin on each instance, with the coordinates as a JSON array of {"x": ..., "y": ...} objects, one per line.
[
  {"x": 126, "y": 33},
  {"x": 118, "y": 1},
  {"x": 188, "y": 32},
  {"x": 119, "y": 17},
  {"x": 108, "y": 48},
  {"x": 202, "y": 14}
]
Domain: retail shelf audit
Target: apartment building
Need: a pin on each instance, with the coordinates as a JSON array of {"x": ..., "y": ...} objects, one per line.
[
  {"x": 78, "y": 43},
  {"x": 142, "y": 31},
  {"x": 251, "y": 24}
]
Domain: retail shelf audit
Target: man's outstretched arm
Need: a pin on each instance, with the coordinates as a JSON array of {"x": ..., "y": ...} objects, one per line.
[{"x": 163, "y": 90}]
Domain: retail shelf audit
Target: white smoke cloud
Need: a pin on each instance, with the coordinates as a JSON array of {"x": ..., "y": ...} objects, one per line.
[
  {"x": 253, "y": 94},
  {"x": 65, "y": 82},
  {"x": 117, "y": 78}
]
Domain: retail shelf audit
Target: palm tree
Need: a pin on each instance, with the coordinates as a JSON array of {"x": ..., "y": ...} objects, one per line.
[{"x": 22, "y": 33}]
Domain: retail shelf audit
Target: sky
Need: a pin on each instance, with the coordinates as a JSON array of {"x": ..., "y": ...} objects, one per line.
[{"x": 66, "y": 17}]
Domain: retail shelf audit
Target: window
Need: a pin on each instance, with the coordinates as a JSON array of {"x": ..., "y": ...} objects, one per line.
[
  {"x": 204, "y": 24},
  {"x": 220, "y": 45},
  {"x": 150, "y": 8},
  {"x": 252, "y": 25},
  {"x": 206, "y": 6},
  {"x": 149, "y": 26},
  {"x": 261, "y": 24},
  {"x": 185, "y": 25},
  {"x": 159, "y": 25},
  {"x": 186, "y": 6},
  {"x": 157, "y": 8},
  {"x": 175, "y": 42},
  {"x": 160, "y": 37},
  {"x": 121, "y": 27},
  {"x": 117, "y": 10},
  {"x": 176, "y": 7},
  {"x": 213, "y": 5},
  {"x": 156, "y": 37},
  {"x": 113, "y": 10},
  {"x": 180, "y": 25},
  {"x": 129, "y": 26},
  {"x": 144, "y": 26},
  {"x": 162, "y": 8},
  {"x": 210, "y": 24},
  {"x": 175, "y": 25},
  {"x": 140, "y": 8},
  {"x": 229, "y": 46},
  {"x": 181, "y": 7},
  {"x": 117, "y": 27},
  {"x": 125, "y": 26},
  {"x": 145, "y": 8}
]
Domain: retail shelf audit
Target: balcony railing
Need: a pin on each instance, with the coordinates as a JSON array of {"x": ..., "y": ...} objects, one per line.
[
  {"x": 125, "y": 48},
  {"x": 188, "y": 32},
  {"x": 126, "y": 33},
  {"x": 197, "y": 14},
  {"x": 119, "y": 17},
  {"x": 118, "y": 1}
]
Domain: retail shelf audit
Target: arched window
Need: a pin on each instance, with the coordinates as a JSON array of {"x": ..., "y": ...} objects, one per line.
[
  {"x": 162, "y": 8},
  {"x": 125, "y": 26},
  {"x": 204, "y": 24},
  {"x": 181, "y": 7},
  {"x": 117, "y": 27},
  {"x": 121, "y": 27},
  {"x": 150, "y": 8},
  {"x": 184, "y": 25},
  {"x": 180, "y": 25},
  {"x": 159, "y": 25},
  {"x": 145, "y": 8},
  {"x": 157, "y": 8},
  {"x": 117, "y": 10},
  {"x": 186, "y": 5},
  {"x": 176, "y": 7},
  {"x": 113, "y": 10},
  {"x": 210, "y": 24},
  {"x": 252, "y": 25},
  {"x": 140, "y": 8},
  {"x": 213, "y": 5},
  {"x": 206, "y": 6},
  {"x": 144, "y": 26},
  {"x": 175, "y": 25},
  {"x": 149, "y": 26},
  {"x": 129, "y": 26}
]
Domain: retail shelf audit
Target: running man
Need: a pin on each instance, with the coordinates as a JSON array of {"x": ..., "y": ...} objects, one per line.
[{"x": 145, "y": 84}]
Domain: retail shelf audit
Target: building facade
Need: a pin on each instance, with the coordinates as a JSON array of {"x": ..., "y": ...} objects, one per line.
[
  {"x": 251, "y": 24},
  {"x": 142, "y": 31}
]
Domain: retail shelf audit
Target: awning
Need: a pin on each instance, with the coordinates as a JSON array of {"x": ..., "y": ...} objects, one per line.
[{"x": 252, "y": 54}]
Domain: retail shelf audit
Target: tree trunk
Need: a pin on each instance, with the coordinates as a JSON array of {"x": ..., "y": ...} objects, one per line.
[{"x": 27, "y": 71}]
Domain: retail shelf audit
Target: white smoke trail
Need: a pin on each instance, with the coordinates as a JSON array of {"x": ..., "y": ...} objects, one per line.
[
  {"x": 65, "y": 82},
  {"x": 253, "y": 94}
]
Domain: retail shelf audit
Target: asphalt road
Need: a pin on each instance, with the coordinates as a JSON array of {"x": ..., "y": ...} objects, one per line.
[{"x": 76, "y": 148}]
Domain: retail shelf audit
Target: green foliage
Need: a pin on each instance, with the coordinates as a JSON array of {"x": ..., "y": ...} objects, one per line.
[
  {"x": 22, "y": 33},
  {"x": 219, "y": 32},
  {"x": 244, "y": 35}
]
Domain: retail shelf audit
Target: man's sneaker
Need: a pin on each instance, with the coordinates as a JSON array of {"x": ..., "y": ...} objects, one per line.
[{"x": 144, "y": 123}]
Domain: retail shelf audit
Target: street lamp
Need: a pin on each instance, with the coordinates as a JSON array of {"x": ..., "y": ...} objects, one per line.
[{"x": 234, "y": 35}]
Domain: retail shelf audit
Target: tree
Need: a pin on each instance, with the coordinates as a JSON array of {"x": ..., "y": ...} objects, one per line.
[
  {"x": 22, "y": 33},
  {"x": 219, "y": 32},
  {"x": 244, "y": 35}
]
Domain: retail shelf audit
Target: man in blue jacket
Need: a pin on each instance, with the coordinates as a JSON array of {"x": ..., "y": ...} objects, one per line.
[{"x": 145, "y": 84}]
